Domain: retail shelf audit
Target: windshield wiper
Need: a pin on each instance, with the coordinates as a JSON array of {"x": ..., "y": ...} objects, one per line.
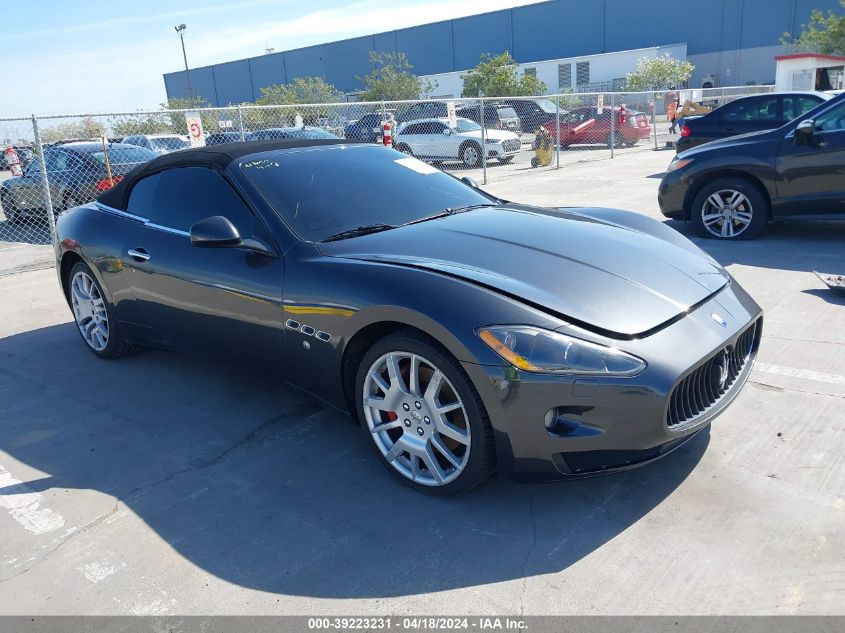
[
  {"x": 361, "y": 230},
  {"x": 450, "y": 211}
]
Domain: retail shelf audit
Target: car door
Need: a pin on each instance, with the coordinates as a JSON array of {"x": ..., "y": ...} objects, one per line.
[
  {"x": 810, "y": 177},
  {"x": 436, "y": 143},
  {"x": 222, "y": 301}
]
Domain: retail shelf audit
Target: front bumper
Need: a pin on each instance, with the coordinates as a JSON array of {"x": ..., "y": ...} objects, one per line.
[
  {"x": 608, "y": 424},
  {"x": 672, "y": 193}
]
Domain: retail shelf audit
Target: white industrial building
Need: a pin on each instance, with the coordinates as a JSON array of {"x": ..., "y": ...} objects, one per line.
[{"x": 587, "y": 73}]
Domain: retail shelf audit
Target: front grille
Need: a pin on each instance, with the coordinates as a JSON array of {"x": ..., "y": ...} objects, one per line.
[
  {"x": 512, "y": 145},
  {"x": 584, "y": 462},
  {"x": 708, "y": 383}
]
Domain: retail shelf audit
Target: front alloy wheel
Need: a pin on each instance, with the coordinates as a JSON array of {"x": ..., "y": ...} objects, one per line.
[
  {"x": 730, "y": 209},
  {"x": 423, "y": 415},
  {"x": 471, "y": 155},
  {"x": 417, "y": 419},
  {"x": 727, "y": 213}
]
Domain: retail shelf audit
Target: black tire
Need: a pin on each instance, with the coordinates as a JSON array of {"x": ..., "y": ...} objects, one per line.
[
  {"x": 481, "y": 463},
  {"x": 506, "y": 159},
  {"x": 116, "y": 345},
  {"x": 535, "y": 162},
  {"x": 405, "y": 149},
  {"x": 467, "y": 150},
  {"x": 613, "y": 141},
  {"x": 723, "y": 189}
]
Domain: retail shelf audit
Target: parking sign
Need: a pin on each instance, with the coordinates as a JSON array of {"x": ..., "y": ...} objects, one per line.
[{"x": 195, "y": 133}]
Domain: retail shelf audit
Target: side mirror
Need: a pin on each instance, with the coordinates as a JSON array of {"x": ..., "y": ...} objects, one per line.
[
  {"x": 469, "y": 181},
  {"x": 804, "y": 132},
  {"x": 447, "y": 131},
  {"x": 215, "y": 232}
]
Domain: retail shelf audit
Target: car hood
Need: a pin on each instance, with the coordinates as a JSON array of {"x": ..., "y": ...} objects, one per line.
[{"x": 609, "y": 278}]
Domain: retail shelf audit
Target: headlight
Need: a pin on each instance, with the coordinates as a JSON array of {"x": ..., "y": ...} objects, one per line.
[
  {"x": 537, "y": 350},
  {"x": 677, "y": 164}
]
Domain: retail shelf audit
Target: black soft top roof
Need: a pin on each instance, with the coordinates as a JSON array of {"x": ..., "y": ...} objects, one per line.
[{"x": 215, "y": 157}]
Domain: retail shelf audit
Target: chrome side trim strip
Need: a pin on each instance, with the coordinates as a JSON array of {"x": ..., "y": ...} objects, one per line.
[
  {"x": 107, "y": 209},
  {"x": 167, "y": 229}
]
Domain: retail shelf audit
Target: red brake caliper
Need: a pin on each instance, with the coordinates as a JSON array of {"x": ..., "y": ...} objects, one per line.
[{"x": 405, "y": 371}]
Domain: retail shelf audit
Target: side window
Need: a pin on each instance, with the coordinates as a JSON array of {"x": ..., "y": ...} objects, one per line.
[
  {"x": 832, "y": 120},
  {"x": 753, "y": 109},
  {"x": 141, "y": 197},
  {"x": 437, "y": 127},
  {"x": 795, "y": 105},
  {"x": 186, "y": 195},
  {"x": 413, "y": 128}
]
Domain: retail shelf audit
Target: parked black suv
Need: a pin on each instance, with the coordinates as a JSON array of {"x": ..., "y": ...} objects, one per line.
[
  {"x": 747, "y": 114},
  {"x": 730, "y": 189},
  {"x": 532, "y": 113},
  {"x": 496, "y": 116}
]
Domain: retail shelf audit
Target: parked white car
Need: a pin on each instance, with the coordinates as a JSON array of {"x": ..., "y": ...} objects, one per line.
[
  {"x": 434, "y": 140},
  {"x": 159, "y": 143}
]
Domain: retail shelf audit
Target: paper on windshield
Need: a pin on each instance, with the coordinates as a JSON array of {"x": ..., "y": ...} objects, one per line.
[{"x": 416, "y": 165}]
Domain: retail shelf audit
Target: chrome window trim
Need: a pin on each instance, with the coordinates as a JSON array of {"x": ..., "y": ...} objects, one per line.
[
  {"x": 119, "y": 212},
  {"x": 138, "y": 218},
  {"x": 166, "y": 229}
]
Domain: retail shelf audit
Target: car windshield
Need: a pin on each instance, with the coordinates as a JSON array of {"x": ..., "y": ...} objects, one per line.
[
  {"x": 125, "y": 155},
  {"x": 465, "y": 125},
  {"x": 168, "y": 142},
  {"x": 310, "y": 133},
  {"x": 546, "y": 105},
  {"x": 324, "y": 190}
]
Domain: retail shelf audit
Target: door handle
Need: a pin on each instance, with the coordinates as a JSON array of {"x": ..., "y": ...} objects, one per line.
[{"x": 138, "y": 254}]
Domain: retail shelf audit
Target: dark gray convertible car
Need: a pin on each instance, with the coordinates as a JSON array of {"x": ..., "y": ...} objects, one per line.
[{"x": 465, "y": 333}]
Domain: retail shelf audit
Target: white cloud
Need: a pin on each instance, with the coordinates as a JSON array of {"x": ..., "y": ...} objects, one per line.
[{"x": 127, "y": 75}]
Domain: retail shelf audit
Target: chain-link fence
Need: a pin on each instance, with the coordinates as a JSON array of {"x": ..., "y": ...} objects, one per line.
[{"x": 49, "y": 164}]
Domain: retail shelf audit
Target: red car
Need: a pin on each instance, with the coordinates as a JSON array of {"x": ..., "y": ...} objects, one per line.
[{"x": 587, "y": 126}]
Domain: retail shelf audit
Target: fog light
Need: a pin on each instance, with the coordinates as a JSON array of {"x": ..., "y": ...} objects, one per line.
[{"x": 557, "y": 423}]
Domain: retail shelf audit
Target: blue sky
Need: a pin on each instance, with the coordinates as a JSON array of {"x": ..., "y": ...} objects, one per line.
[{"x": 97, "y": 56}]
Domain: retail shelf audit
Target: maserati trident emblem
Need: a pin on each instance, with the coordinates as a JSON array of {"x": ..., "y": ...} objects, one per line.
[
  {"x": 719, "y": 369},
  {"x": 718, "y": 319}
]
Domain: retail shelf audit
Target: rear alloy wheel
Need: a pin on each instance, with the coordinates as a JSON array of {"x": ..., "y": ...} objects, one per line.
[
  {"x": 92, "y": 314},
  {"x": 425, "y": 418},
  {"x": 730, "y": 209},
  {"x": 471, "y": 155},
  {"x": 505, "y": 159}
]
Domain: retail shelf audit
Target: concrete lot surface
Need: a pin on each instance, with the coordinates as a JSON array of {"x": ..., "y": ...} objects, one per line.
[{"x": 160, "y": 485}]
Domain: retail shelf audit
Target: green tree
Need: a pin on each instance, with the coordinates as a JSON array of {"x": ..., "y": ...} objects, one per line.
[
  {"x": 659, "y": 73},
  {"x": 143, "y": 124},
  {"x": 824, "y": 34},
  {"x": 84, "y": 128},
  {"x": 300, "y": 90},
  {"x": 392, "y": 79},
  {"x": 499, "y": 77}
]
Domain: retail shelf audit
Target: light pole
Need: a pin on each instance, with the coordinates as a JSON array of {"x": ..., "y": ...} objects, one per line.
[{"x": 181, "y": 31}]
